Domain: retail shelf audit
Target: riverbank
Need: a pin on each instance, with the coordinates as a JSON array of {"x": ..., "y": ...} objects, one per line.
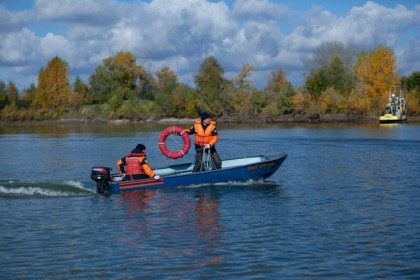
[{"x": 288, "y": 118}]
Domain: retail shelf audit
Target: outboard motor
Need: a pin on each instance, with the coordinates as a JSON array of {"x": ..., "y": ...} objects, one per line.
[{"x": 102, "y": 176}]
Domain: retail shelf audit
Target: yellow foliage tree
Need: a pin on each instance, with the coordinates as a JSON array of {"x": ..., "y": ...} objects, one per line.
[
  {"x": 40, "y": 96},
  {"x": 375, "y": 74},
  {"x": 242, "y": 78},
  {"x": 300, "y": 102},
  {"x": 356, "y": 104},
  {"x": 53, "y": 85},
  {"x": 276, "y": 80},
  {"x": 413, "y": 106},
  {"x": 332, "y": 101}
]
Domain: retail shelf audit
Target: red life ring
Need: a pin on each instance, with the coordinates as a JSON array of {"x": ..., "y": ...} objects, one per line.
[{"x": 174, "y": 130}]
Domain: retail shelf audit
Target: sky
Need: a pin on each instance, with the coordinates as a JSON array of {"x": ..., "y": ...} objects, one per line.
[{"x": 180, "y": 34}]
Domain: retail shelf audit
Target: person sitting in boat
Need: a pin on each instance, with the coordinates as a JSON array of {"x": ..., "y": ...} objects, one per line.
[
  {"x": 206, "y": 138},
  {"x": 135, "y": 166}
]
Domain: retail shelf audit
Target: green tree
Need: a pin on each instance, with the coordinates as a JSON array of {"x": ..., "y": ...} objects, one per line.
[
  {"x": 340, "y": 75},
  {"x": 210, "y": 84},
  {"x": 166, "y": 77},
  {"x": 259, "y": 100},
  {"x": 120, "y": 78},
  {"x": 3, "y": 96},
  {"x": 316, "y": 82},
  {"x": 336, "y": 74},
  {"x": 80, "y": 94},
  {"x": 412, "y": 84},
  {"x": 28, "y": 96},
  {"x": 176, "y": 100}
]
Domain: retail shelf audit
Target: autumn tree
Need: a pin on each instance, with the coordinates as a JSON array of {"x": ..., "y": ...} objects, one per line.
[
  {"x": 375, "y": 74},
  {"x": 12, "y": 93},
  {"x": 40, "y": 98},
  {"x": 279, "y": 91},
  {"x": 236, "y": 100},
  {"x": 53, "y": 85},
  {"x": 120, "y": 78},
  {"x": 166, "y": 77},
  {"x": 210, "y": 84},
  {"x": 276, "y": 81},
  {"x": 242, "y": 79}
]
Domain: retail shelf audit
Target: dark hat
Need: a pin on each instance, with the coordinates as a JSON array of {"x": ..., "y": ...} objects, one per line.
[
  {"x": 141, "y": 147},
  {"x": 204, "y": 116}
]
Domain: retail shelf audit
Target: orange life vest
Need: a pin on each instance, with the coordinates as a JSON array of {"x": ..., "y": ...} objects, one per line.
[
  {"x": 203, "y": 137},
  {"x": 133, "y": 161}
]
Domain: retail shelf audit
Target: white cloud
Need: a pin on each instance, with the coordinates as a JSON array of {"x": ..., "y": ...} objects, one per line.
[
  {"x": 259, "y": 10},
  {"x": 92, "y": 12},
  {"x": 181, "y": 34},
  {"x": 407, "y": 57},
  {"x": 18, "y": 48},
  {"x": 13, "y": 21}
]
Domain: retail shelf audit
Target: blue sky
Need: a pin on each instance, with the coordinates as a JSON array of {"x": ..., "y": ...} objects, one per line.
[{"x": 181, "y": 34}]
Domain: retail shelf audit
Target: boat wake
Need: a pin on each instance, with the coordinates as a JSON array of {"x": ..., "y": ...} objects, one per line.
[{"x": 19, "y": 188}]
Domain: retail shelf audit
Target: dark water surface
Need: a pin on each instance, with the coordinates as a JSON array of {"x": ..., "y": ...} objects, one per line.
[{"x": 344, "y": 205}]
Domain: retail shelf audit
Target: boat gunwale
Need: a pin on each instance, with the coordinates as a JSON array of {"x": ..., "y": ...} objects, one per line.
[{"x": 267, "y": 158}]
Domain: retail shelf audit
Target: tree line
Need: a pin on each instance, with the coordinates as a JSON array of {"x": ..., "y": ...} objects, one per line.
[{"x": 341, "y": 80}]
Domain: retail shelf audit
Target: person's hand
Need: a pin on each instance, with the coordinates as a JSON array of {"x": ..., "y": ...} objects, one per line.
[
  {"x": 156, "y": 177},
  {"x": 207, "y": 146}
]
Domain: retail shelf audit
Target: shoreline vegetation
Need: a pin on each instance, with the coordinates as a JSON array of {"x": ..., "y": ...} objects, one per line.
[
  {"x": 340, "y": 87},
  {"x": 287, "y": 118}
]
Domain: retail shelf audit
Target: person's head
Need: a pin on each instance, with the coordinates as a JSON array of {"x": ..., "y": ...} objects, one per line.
[
  {"x": 141, "y": 147},
  {"x": 205, "y": 118}
]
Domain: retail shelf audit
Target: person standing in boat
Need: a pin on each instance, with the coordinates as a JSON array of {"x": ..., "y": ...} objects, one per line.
[
  {"x": 206, "y": 138},
  {"x": 135, "y": 166}
]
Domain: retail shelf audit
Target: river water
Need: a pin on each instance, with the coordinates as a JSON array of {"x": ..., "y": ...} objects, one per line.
[{"x": 345, "y": 204}]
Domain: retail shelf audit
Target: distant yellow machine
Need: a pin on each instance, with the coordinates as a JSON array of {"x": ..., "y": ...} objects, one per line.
[
  {"x": 395, "y": 110},
  {"x": 390, "y": 118}
]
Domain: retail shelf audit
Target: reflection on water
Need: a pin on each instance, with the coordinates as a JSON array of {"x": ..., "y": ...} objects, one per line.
[
  {"x": 343, "y": 205},
  {"x": 177, "y": 220}
]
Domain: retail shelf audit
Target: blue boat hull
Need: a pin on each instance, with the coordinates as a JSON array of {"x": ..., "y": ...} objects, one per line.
[{"x": 256, "y": 170}]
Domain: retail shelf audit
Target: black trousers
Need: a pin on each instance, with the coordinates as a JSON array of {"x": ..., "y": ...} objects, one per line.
[{"x": 199, "y": 158}]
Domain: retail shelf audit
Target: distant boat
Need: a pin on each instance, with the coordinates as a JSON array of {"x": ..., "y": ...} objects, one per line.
[
  {"x": 239, "y": 169},
  {"x": 396, "y": 111},
  {"x": 390, "y": 118}
]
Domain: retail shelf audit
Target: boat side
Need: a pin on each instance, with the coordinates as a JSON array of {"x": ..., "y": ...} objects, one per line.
[
  {"x": 389, "y": 118},
  {"x": 254, "y": 169}
]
